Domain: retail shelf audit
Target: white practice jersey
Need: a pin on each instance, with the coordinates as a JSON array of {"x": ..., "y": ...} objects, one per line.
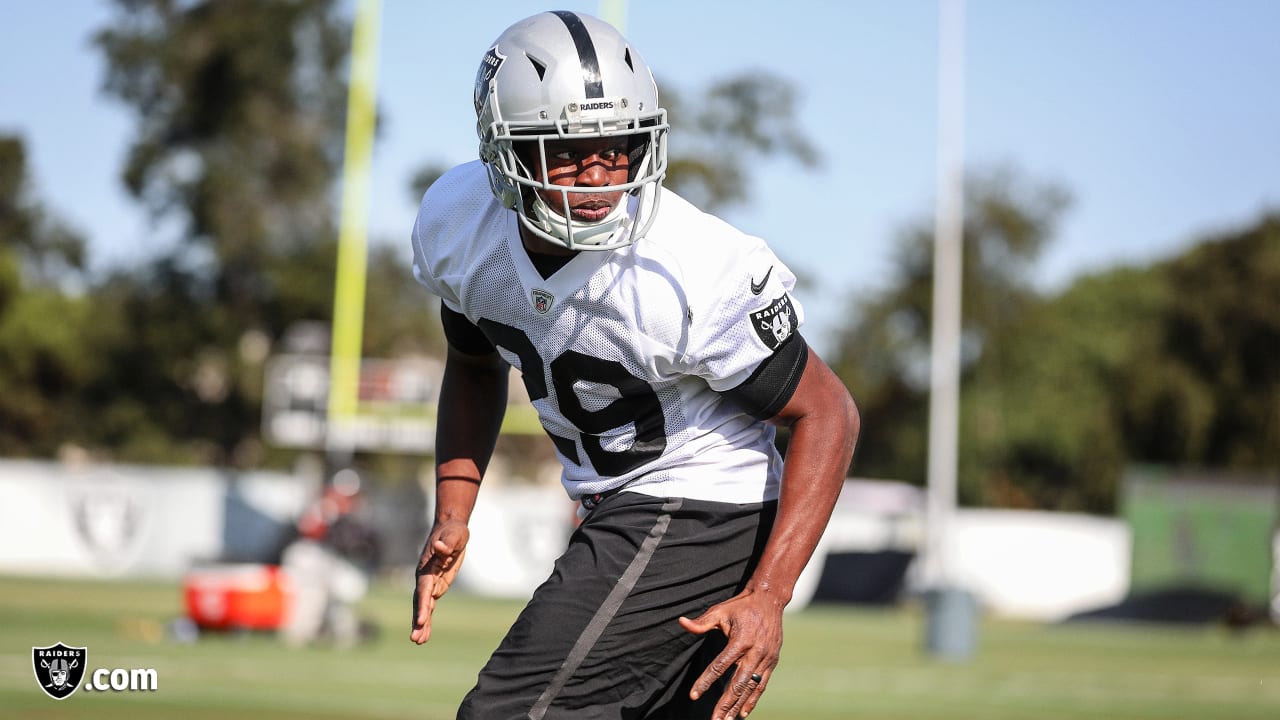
[{"x": 624, "y": 352}]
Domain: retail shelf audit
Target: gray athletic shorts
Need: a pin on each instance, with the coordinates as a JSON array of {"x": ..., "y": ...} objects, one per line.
[{"x": 599, "y": 639}]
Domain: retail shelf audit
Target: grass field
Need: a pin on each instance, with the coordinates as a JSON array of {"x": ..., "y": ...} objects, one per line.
[{"x": 838, "y": 663}]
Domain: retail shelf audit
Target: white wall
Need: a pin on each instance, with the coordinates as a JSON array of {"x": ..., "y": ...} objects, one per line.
[
  {"x": 1019, "y": 564},
  {"x": 516, "y": 535},
  {"x": 1031, "y": 565},
  {"x": 103, "y": 521},
  {"x": 1040, "y": 565},
  {"x": 518, "y": 532}
]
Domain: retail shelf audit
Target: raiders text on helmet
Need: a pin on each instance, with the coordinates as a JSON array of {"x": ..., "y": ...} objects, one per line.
[{"x": 562, "y": 76}]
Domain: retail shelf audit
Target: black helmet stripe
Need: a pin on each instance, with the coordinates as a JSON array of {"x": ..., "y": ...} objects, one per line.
[{"x": 586, "y": 53}]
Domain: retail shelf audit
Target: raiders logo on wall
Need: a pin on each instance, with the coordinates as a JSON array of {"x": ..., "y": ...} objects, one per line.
[
  {"x": 59, "y": 669},
  {"x": 775, "y": 323},
  {"x": 109, "y": 515}
]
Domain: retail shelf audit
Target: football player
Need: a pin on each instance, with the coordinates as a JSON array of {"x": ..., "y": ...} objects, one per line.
[{"x": 661, "y": 348}]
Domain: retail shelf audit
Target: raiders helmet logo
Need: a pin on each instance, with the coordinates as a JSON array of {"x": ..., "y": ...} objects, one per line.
[
  {"x": 59, "y": 669},
  {"x": 488, "y": 68},
  {"x": 775, "y": 323}
]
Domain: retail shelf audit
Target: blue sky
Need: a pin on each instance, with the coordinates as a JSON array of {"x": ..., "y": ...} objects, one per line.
[{"x": 1161, "y": 118}]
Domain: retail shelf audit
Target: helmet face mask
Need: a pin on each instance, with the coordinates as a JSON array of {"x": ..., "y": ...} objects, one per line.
[{"x": 560, "y": 76}]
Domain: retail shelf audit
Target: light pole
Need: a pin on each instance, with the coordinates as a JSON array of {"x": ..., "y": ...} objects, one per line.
[{"x": 949, "y": 610}]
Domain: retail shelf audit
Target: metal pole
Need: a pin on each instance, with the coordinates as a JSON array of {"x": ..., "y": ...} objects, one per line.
[{"x": 950, "y": 610}]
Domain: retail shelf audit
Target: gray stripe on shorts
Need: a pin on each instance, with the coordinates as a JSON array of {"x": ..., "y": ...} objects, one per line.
[{"x": 607, "y": 610}]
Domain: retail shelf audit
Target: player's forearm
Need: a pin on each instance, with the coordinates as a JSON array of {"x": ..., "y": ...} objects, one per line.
[
  {"x": 473, "y": 400},
  {"x": 455, "y": 498},
  {"x": 818, "y": 456}
]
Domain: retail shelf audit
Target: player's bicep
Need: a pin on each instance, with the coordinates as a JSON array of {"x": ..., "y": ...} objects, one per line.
[{"x": 820, "y": 396}]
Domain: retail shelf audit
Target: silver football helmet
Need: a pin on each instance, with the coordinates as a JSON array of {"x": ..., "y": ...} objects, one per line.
[{"x": 562, "y": 76}]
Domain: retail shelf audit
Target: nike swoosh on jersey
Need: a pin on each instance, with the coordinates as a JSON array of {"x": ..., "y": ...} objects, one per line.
[{"x": 758, "y": 287}]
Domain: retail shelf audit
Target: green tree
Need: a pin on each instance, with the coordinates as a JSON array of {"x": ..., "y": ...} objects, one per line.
[
  {"x": 43, "y": 364},
  {"x": 1042, "y": 427},
  {"x": 753, "y": 112},
  {"x": 1170, "y": 363},
  {"x": 240, "y": 109},
  {"x": 1205, "y": 389},
  {"x": 43, "y": 248},
  {"x": 883, "y": 355}
]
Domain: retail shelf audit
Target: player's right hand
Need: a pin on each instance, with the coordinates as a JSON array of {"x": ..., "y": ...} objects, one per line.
[{"x": 438, "y": 566}]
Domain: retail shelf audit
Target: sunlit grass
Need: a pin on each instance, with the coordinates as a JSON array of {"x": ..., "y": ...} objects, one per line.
[{"x": 838, "y": 663}]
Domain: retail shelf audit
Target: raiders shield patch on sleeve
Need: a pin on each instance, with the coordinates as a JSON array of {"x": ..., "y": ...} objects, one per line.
[{"x": 775, "y": 323}]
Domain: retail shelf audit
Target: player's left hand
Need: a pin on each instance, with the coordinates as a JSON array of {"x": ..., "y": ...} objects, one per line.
[{"x": 752, "y": 621}]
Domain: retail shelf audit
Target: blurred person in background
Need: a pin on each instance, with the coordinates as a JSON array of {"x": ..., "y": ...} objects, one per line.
[
  {"x": 661, "y": 348},
  {"x": 329, "y": 565}
]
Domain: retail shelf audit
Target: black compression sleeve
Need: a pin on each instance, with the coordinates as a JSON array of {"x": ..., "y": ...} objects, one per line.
[
  {"x": 462, "y": 334},
  {"x": 774, "y": 381}
]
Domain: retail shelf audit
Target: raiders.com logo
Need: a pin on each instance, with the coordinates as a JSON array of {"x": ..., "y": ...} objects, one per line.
[{"x": 59, "y": 669}]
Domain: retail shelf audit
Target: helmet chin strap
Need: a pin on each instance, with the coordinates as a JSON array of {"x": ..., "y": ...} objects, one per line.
[{"x": 585, "y": 234}]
